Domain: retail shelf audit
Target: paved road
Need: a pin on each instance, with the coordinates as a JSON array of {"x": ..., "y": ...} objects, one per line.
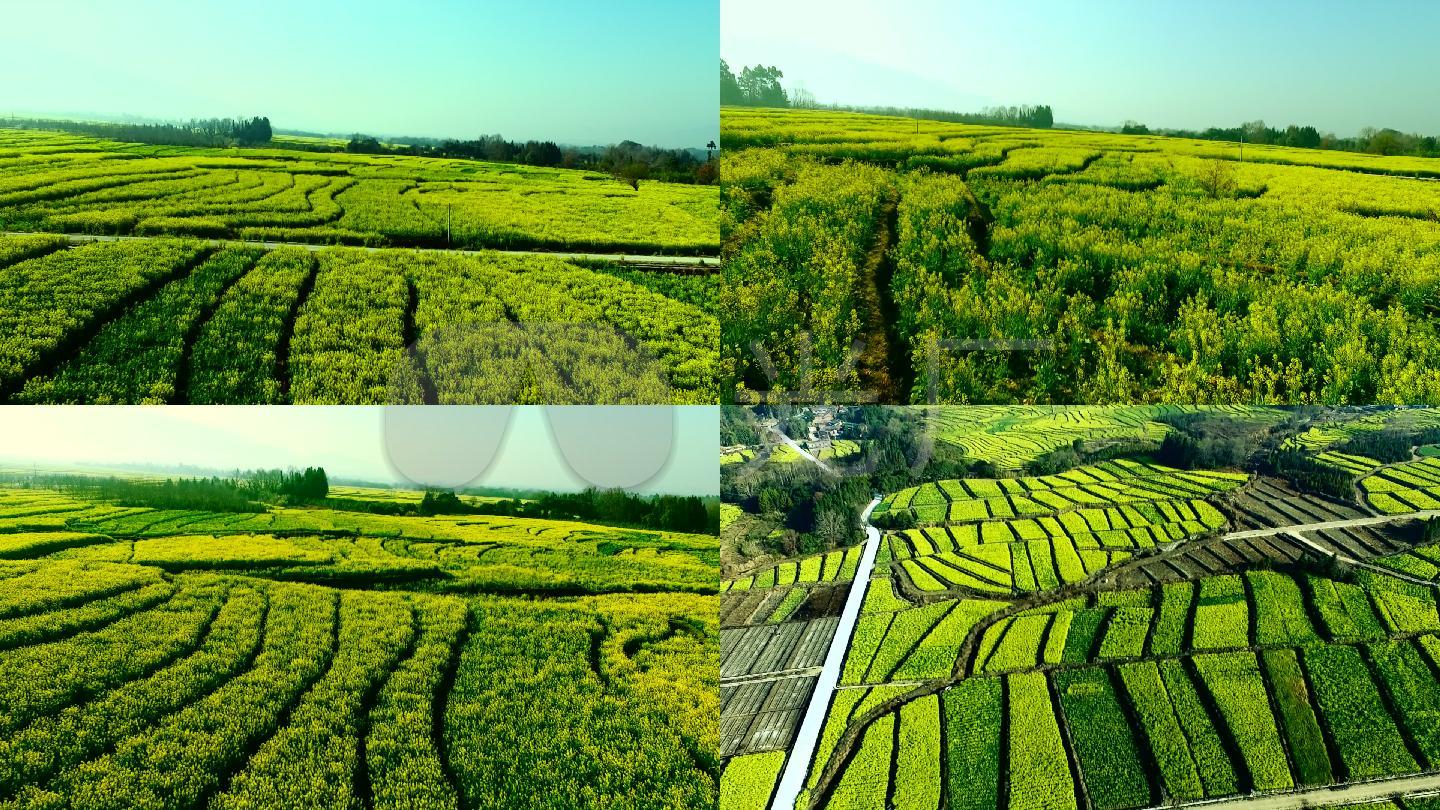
[
  {"x": 1354, "y": 793},
  {"x": 620, "y": 258},
  {"x": 1332, "y": 524},
  {"x": 797, "y": 764}
]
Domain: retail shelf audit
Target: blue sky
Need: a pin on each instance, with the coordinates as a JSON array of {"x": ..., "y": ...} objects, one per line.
[
  {"x": 352, "y": 441},
  {"x": 1337, "y": 65},
  {"x": 575, "y": 72}
]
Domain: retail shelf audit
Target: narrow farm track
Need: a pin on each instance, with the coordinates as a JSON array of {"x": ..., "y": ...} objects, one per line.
[
  {"x": 1374, "y": 790},
  {"x": 782, "y": 675},
  {"x": 797, "y": 762},
  {"x": 1345, "y": 558},
  {"x": 881, "y": 362},
  {"x": 695, "y": 264},
  {"x": 1332, "y": 524}
]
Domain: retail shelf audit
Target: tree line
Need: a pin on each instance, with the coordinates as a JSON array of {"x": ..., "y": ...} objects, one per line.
[
  {"x": 675, "y": 513},
  {"x": 627, "y": 160},
  {"x": 1390, "y": 445},
  {"x": 245, "y": 491},
  {"x": 196, "y": 132},
  {"x": 1370, "y": 140},
  {"x": 759, "y": 86},
  {"x": 1033, "y": 116},
  {"x": 756, "y": 86}
]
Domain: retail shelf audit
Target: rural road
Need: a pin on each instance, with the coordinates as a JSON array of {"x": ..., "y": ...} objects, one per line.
[
  {"x": 1332, "y": 524},
  {"x": 797, "y": 764},
  {"x": 807, "y": 454},
  {"x": 619, "y": 258},
  {"x": 1354, "y": 793}
]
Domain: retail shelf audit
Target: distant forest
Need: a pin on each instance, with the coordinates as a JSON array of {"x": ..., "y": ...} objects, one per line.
[
  {"x": 626, "y": 160},
  {"x": 253, "y": 490},
  {"x": 676, "y": 513},
  {"x": 247, "y": 492},
  {"x": 759, "y": 86},
  {"x": 197, "y": 132},
  {"x": 1370, "y": 140}
]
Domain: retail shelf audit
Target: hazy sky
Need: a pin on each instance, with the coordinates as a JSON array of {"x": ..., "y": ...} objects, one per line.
[
  {"x": 352, "y": 441},
  {"x": 1337, "y": 65},
  {"x": 574, "y": 72}
]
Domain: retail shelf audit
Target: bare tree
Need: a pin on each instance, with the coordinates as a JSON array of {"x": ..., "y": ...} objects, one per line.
[{"x": 1217, "y": 179}]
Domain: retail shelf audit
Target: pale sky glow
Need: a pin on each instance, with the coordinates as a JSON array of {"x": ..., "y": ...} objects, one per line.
[
  {"x": 1337, "y": 65},
  {"x": 573, "y": 72},
  {"x": 348, "y": 441}
]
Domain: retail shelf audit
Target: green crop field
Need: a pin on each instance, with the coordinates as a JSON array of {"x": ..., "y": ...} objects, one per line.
[
  {"x": 1005, "y": 656},
  {"x": 1139, "y": 268},
  {"x": 1035, "y": 533},
  {"x": 66, "y": 183},
  {"x": 325, "y": 658},
  {"x": 172, "y": 321},
  {"x": 1404, "y": 487}
]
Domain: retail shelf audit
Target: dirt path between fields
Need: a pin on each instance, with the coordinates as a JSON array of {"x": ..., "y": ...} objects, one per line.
[
  {"x": 1354, "y": 793},
  {"x": 882, "y": 363},
  {"x": 1332, "y": 524},
  {"x": 677, "y": 264}
]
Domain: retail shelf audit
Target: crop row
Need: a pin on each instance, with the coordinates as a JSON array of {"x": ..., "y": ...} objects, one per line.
[
  {"x": 240, "y": 692},
  {"x": 832, "y": 566},
  {"x": 1134, "y": 734},
  {"x": 133, "y": 322},
  {"x": 1406, "y": 487},
  {"x": 980, "y": 499}
]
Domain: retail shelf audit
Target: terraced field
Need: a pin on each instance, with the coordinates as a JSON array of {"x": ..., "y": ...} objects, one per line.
[
  {"x": 1238, "y": 649},
  {"x": 1011, "y": 436},
  {"x": 66, "y": 183},
  {"x": 321, "y": 658},
  {"x": 1019, "y": 535},
  {"x": 1203, "y": 688},
  {"x": 1404, "y": 487},
  {"x": 170, "y": 321}
]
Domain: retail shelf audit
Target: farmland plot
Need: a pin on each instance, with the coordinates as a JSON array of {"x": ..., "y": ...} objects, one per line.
[
  {"x": 166, "y": 321},
  {"x": 94, "y": 186},
  {"x": 187, "y": 659},
  {"x": 1127, "y": 275}
]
